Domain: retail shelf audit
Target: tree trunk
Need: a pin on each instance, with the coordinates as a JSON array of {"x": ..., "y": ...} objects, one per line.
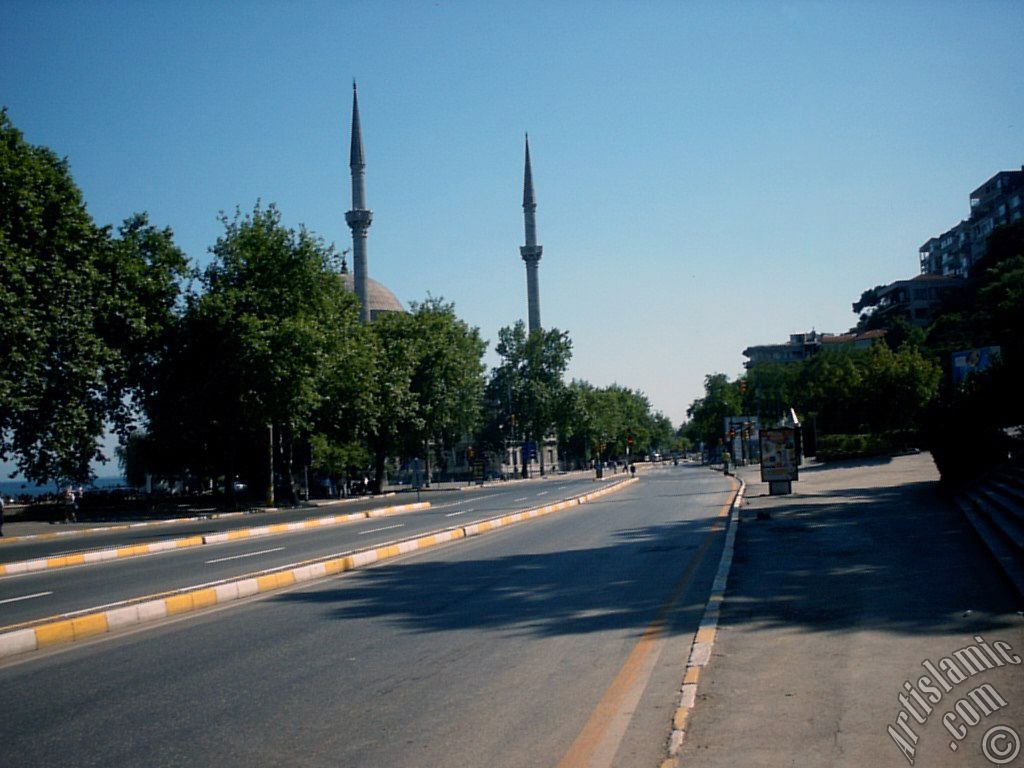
[
  {"x": 427, "y": 462},
  {"x": 378, "y": 471},
  {"x": 229, "y": 478}
]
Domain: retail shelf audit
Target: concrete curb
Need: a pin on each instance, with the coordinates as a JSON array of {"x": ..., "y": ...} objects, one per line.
[
  {"x": 135, "y": 550},
  {"x": 315, "y": 522},
  {"x": 704, "y": 638},
  {"x": 116, "y": 527},
  {"x": 71, "y": 628}
]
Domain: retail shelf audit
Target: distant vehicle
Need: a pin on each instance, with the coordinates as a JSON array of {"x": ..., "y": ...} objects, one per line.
[{"x": 238, "y": 486}]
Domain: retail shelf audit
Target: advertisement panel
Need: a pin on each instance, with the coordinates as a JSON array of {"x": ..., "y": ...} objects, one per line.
[
  {"x": 973, "y": 361},
  {"x": 778, "y": 454}
]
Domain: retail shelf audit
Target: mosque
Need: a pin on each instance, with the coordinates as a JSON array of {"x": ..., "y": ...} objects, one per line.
[{"x": 376, "y": 299}]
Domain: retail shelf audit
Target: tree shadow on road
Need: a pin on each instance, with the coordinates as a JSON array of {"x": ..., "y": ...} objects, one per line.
[
  {"x": 567, "y": 591},
  {"x": 898, "y": 558},
  {"x": 892, "y": 559}
]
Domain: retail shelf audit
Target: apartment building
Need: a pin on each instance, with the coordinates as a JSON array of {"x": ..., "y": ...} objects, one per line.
[{"x": 998, "y": 201}]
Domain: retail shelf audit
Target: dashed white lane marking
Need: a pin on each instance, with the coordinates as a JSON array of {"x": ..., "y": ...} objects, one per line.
[
  {"x": 383, "y": 528},
  {"x": 247, "y": 554},
  {"x": 543, "y": 493},
  {"x": 521, "y": 498},
  {"x": 476, "y": 497},
  {"x": 460, "y": 512},
  {"x": 25, "y": 597}
]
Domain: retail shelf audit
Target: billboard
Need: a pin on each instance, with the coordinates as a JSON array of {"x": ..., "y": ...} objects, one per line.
[
  {"x": 779, "y": 454},
  {"x": 973, "y": 361}
]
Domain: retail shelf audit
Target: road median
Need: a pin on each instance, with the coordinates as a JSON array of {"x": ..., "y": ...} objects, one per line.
[
  {"x": 71, "y": 628},
  {"x": 136, "y": 550}
]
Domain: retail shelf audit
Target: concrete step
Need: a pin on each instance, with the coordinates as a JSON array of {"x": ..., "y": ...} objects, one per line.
[
  {"x": 1001, "y": 533},
  {"x": 1005, "y": 521},
  {"x": 1011, "y": 475},
  {"x": 1008, "y": 498}
]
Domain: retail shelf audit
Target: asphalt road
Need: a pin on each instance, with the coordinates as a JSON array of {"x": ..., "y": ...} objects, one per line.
[
  {"x": 37, "y": 595},
  {"x": 86, "y": 540},
  {"x": 556, "y": 642}
]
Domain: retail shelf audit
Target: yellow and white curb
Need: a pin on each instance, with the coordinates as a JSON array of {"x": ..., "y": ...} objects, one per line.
[
  {"x": 115, "y": 527},
  {"x": 71, "y": 628},
  {"x": 315, "y": 522},
  {"x": 135, "y": 550},
  {"x": 100, "y": 555},
  {"x": 704, "y": 638}
]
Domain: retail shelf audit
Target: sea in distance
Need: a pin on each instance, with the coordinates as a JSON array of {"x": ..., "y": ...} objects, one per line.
[{"x": 21, "y": 487}]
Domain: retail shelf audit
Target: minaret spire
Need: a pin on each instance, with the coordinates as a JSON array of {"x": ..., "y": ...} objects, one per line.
[
  {"x": 531, "y": 252},
  {"x": 359, "y": 218}
]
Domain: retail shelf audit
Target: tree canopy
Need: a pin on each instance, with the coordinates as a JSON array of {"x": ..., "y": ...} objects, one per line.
[
  {"x": 272, "y": 340},
  {"x": 429, "y": 383},
  {"x": 83, "y": 314},
  {"x": 529, "y": 381}
]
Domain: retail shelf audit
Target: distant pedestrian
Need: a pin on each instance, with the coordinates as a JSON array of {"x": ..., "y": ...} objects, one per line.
[
  {"x": 1, "y": 514},
  {"x": 632, "y": 470},
  {"x": 70, "y": 505}
]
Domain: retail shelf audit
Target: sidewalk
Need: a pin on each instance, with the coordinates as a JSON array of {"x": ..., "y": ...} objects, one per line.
[{"x": 859, "y": 578}]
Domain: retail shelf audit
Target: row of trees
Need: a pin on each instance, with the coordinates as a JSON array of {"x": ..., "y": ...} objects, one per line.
[
  {"x": 905, "y": 383},
  {"x": 843, "y": 390},
  {"x": 257, "y": 360},
  {"x": 971, "y": 427}
]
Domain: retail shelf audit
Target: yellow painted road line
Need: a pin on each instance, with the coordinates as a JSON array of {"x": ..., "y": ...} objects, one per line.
[
  {"x": 606, "y": 725},
  {"x": 704, "y": 638}
]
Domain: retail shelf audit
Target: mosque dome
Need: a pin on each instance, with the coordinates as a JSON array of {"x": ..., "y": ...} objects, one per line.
[{"x": 378, "y": 296}]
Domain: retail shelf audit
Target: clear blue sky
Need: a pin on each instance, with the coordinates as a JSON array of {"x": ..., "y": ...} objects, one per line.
[{"x": 708, "y": 175}]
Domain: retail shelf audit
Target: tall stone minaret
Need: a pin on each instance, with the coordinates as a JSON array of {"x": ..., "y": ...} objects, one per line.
[
  {"x": 531, "y": 251},
  {"x": 359, "y": 218}
]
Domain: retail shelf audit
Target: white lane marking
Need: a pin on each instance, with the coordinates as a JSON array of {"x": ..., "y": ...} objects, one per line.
[
  {"x": 25, "y": 597},
  {"x": 521, "y": 498},
  {"x": 448, "y": 504},
  {"x": 460, "y": 512},
  {"x": 543, "y": 493},
  {"x": 247, "y": 554},
  {"x": 384, "y": 528}
]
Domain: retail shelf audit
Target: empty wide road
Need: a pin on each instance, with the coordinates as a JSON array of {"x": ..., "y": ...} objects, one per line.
[
  {"x": 556, "y": 642},
  {"x": 37, "y": 595}
]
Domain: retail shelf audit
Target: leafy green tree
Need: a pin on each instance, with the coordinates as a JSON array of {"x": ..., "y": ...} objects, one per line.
[
  {"x": 530, "y": 379},
  {"x": 83, "y": 316},
  {"x": 430, "y": 382},
  {"x": 897, "y": 387},
  {"x": 829, "y": 390},
  {"x": 770, "y": 390},
  {"x": 706, "y": 415},
  {"x": 272, "y": 341}
]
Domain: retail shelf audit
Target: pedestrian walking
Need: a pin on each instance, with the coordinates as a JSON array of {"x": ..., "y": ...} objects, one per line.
[{"x": 70, "y": 505}]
